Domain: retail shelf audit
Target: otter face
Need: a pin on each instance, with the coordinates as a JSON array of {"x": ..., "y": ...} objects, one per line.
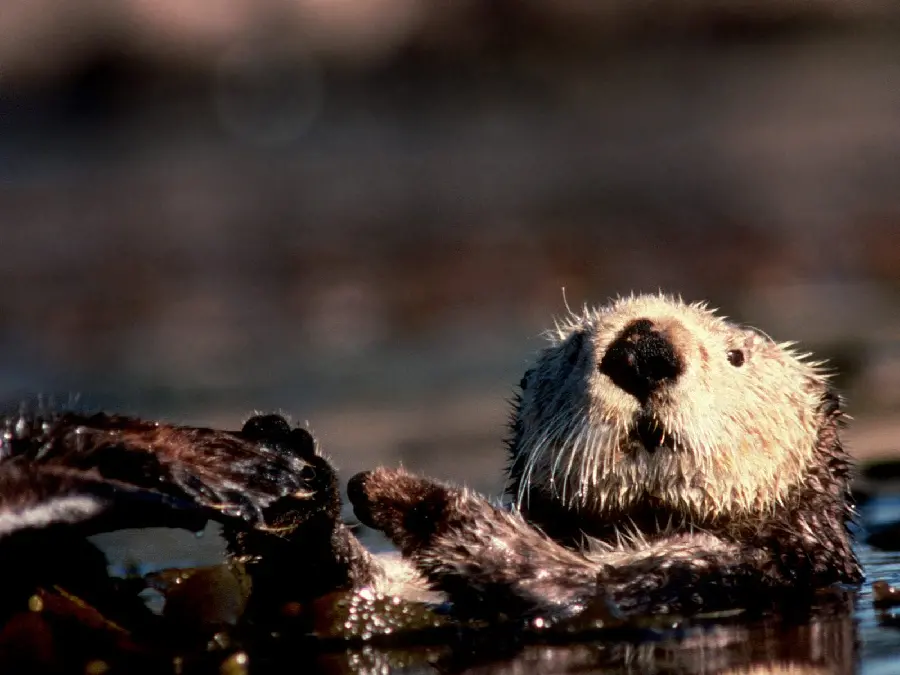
[{"x": 651, "y": 401}]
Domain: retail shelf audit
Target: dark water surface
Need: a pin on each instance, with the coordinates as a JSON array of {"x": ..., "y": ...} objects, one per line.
[{"x": 879, "y": 632}]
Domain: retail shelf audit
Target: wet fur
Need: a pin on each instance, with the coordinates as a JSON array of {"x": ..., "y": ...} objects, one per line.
[
  {"x": 66, "y": 475},
  {"x": 127, "y": 472},
  {"x": 746, "y": 503}
]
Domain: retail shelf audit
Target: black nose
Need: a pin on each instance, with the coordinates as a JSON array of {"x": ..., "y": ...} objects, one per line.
[{"x": 641, "y": 359}]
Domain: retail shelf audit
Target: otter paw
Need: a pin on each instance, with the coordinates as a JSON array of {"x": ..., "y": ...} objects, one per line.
[
  {"x": 487, "y": 560},
  {"x": 410, "y": 510}
]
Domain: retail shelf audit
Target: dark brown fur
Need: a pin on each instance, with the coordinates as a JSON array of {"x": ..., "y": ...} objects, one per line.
[
  {"x": 157, "y": 469},
  {"x": 277, "y": 498},
  {"x": 491, "y": 562}
]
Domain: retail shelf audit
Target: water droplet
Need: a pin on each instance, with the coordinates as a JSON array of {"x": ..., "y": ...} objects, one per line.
[{"x": 236, "y": 664}]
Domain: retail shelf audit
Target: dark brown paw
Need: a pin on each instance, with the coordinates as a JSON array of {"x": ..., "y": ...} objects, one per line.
[
  {"x": 487, "y": 560},
  {"x": 275, "y": 431},
  {"x": 408, "y": 509}
]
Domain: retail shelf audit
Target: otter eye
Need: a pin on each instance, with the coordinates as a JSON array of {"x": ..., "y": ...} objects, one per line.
[{"x": 736, "y": 357}]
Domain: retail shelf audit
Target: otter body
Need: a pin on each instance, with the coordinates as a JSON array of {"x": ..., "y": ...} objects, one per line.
[
  {"x": 656, "y": 417},
  {"x": 661, "y": 457},
  {"x": 662, "y": 460}
]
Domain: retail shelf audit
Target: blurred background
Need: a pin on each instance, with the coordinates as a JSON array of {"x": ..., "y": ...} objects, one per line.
[{"x": 363, "y": 214}]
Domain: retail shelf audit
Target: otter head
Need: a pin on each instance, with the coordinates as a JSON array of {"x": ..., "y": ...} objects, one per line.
[{"x": 650, "y": 407}]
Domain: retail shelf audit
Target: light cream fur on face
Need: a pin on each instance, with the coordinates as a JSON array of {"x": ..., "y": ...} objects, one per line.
[{"x": 742, "y": 435}]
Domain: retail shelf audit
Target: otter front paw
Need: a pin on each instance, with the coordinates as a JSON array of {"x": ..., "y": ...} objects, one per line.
[
  {"x": 489, "y": 561},
  {"x": 410, "y": 510}
]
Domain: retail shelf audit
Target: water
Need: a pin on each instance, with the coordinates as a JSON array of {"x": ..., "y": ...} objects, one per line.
[
  {"x": 879, "y": 632},
  {"x": 880, "y": 639}
]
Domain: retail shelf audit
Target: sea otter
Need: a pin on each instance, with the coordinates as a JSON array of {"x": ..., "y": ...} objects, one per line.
[{"x": 662, "y": 458}]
